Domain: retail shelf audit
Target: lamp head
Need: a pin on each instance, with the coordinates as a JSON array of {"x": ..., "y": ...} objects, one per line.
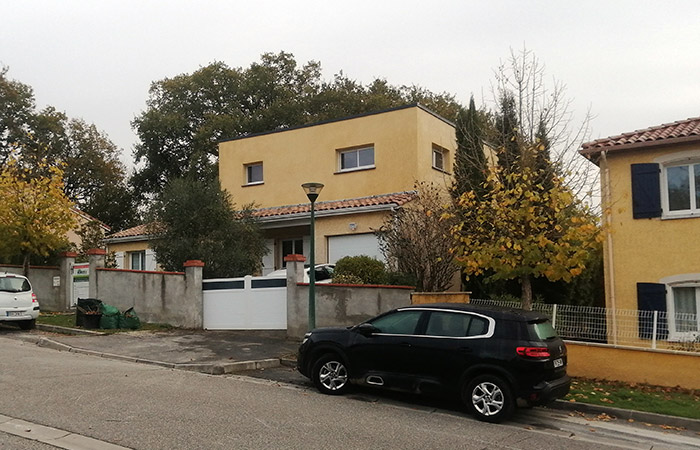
[{"x": 312, "y": 190}]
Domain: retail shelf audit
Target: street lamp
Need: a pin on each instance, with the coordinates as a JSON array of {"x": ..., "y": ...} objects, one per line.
[{"x": 312, "y": 191}]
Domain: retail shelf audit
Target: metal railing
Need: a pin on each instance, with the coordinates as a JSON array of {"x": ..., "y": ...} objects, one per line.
[{"x": 622, "y": 327}]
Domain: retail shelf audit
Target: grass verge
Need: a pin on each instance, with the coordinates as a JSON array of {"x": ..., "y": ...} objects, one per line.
[
  {"x": 639, "y": 397},
  {"x": 68, "y": 320}
]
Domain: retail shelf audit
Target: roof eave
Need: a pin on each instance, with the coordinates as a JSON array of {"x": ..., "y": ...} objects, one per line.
[{"x": 595, "y": 151}]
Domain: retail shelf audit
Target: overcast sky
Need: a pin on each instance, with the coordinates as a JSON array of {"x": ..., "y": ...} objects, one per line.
[{"x": 635, "y": 64}]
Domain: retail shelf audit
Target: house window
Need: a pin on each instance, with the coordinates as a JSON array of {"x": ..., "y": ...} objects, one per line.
[
  {"x": 356, "y": 159},
  {"x": 439, "y": 157},
  {"x": 137, "y": 260},
  {"x": 685, "y": 304},
  {"x": 292, "y": 247},
  {"x": 682, "y": 186},
  {"x": 254, "y": 173}
]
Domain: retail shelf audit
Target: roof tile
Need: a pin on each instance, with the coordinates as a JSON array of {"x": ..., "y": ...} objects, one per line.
[{"x": 398, "y": 199}]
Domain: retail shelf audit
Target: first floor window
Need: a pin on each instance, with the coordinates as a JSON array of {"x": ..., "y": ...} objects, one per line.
[
  {"x": 137, "y": 260},
  {"x": 685, "y": 308},
  {"x": 360, "y": 158},
  {"x": 683, "y": 187},
  {"x": 439, "y": 157},
  {"x": 254, "y": 173}
]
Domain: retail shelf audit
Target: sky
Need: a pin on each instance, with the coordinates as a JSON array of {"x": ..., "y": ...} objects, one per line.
[{"x": 633, "y": 64}]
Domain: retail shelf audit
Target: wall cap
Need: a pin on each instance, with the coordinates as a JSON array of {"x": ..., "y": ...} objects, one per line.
[
  {"x": 193, "y": 263},
  {"x": 68, "y": 254},
  {"x": 294, "y": 258},
  {"x": 97, "y": 251}
]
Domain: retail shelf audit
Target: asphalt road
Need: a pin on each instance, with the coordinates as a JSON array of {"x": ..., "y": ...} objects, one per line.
[{"x": 149, "y": 407}]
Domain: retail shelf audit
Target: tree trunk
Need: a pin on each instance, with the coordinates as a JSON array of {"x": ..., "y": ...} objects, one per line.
[
  {"x": 25, "y": 265},
  {"x": 526, "y": 292}
]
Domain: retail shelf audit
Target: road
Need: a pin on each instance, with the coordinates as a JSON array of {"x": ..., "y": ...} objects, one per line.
[{"x": 148, "y": 407}]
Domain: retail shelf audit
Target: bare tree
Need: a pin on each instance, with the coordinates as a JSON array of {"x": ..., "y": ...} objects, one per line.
[{"x": 416, "y": 239}]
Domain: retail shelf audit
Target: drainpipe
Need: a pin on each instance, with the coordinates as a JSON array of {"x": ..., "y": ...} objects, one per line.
[{"x": 607, "y": 210}]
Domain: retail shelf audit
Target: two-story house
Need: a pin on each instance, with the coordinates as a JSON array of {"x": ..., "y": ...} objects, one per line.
[
  {"x": 650, "y": 183},
  {"x": 368, "y": 165}
]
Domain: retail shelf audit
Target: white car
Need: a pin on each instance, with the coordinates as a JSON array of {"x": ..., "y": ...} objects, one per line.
[
  {"x": 18, "y": 303},
  {"x": 324, "y": 273}
]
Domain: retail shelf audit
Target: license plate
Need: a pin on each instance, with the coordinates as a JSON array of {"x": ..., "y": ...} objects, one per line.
[
  {"x": 558, "y": 362},
  {"x": 15, "y": 313}
]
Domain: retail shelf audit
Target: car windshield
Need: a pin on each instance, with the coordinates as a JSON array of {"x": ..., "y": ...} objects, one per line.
[
  {"x": 542, "y": 330},
  {"x": 14, "y": 284}
]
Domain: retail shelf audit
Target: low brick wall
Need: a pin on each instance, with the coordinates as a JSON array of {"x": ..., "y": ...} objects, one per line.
[
  {"x": 657, "y": 367},
  {"x": 421, "y": 298}
]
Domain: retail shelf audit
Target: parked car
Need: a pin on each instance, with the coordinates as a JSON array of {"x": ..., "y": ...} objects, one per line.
[
  {"x": 323, "y": 275},
  {"x": 18, "y": 303},
  {"x": 488, "y": 356}
]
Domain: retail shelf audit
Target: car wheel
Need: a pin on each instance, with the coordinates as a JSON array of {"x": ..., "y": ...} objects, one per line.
[
  {"x": 330, "y": 376},
  {"x": 27, "y": 324},
  {"x": 489, "y": 398}
]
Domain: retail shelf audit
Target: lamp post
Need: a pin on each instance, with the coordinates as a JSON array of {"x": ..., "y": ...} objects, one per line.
[{"x": 312, "y": 191}]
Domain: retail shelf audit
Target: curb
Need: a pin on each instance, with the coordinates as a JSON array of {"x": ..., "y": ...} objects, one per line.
[
  {"x": 66, "y": 330},
  {"x": 210, "y": 369},
  {"x": 628, "y": 414}
]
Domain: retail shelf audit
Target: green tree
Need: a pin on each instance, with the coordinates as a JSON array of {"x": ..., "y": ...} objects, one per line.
[
  {"x": 35, "y": 213},
  {"x": 16, "y": 108},
  {"x": 195, "y": 219},
  {"x": 416, "y": 239},
  {"x": 470, "y": 166}
]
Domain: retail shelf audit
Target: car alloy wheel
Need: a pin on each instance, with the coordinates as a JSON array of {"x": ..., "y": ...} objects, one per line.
[
  {"x": 331, "y": 375},
  {"x": 487, "y": 398}
]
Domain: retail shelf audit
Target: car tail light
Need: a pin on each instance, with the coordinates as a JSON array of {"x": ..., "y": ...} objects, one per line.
[
  {"x": 34, "y": 300},
  {"x": 533, "y": 352}
]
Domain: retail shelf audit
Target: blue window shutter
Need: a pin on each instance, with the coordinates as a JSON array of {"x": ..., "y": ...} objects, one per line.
[
  {"x": 651, "y": 297},
  {"x": 646, "y": 191}
]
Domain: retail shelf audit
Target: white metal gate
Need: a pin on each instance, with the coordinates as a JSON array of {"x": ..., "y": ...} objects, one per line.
[
  {"x": 81, "y": 282},
  {"x": 248, "y": 303}
]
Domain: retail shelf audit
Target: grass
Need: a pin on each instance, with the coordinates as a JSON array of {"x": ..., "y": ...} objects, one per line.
[
  {"x": 639, "y": 397},
  {"x": 68, "y": 320}
]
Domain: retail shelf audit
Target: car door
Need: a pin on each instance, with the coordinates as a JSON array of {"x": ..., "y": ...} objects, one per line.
[{"x": 389, "y": 349}]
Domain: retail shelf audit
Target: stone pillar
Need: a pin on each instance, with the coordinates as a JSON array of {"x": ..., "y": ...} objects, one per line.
[
  {"x": 297, "y": 297},
  {"x": 96, "y": 257},
  {"x": 194, "y": 308},
  {"x": 65, "y": 290}
]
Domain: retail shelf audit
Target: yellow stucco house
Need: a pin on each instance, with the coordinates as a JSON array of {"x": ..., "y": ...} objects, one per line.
[
  {"x": 650, "y": 183},
  {"x": 131, "y": 249},
  {"x": 368, "y": 165}
]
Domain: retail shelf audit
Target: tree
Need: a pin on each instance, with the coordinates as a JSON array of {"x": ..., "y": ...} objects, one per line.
[
  {"x": 520, "y": 230},
  {"x": 470, "y": 166},
  {"x": 416, "y": 239},
  {"x": 194, "y": 219},
  {"x": 16, "y": 108},
  {"x": 35, "y": 213},
  {"x": 187, "y": 115}
]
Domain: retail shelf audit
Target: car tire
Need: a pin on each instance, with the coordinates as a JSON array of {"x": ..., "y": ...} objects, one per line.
[
  {"x": 27, "y": 324},
  {"x": 489, "y": 398},
  {"x": 330, "y": 375}
]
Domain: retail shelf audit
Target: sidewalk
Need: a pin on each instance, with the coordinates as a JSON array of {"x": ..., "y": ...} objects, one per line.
[{"x": 224, "y": 352}]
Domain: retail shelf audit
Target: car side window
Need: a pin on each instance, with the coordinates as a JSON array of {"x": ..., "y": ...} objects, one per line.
[
  {"x": 450, "y": 324},
  {"x": 399, "y": 322}
]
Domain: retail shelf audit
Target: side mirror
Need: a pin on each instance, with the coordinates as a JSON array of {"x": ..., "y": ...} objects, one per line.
[{"x": 366, "y": 329}]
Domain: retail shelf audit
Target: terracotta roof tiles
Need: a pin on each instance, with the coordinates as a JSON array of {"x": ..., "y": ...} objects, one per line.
[
  {"x": 677, "y": 132},
  {"x": 375, "y": 200},
  {"x": 138, "y": 230}
]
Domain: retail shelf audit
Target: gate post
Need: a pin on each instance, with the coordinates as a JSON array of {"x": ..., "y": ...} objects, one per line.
[
  {"x": 96, "y": 257},
  {"x": 194, "y": 294},
  {"x": 65, "y": 292}
]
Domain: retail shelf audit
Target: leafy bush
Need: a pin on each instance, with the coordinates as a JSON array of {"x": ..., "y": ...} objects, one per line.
[
  {"x": 347, "y": 279},
  {"x": 401, "y": 279},
  {"x": 367, "y": 270}
]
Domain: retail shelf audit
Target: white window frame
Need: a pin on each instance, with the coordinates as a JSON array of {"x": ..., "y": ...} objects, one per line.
[
  {"x": 685, "y": 280},
  {"x": 689, "y": 159},
  {"x": 247, "y": 169},
  {"x": 356, "y": 151},
  {"x": 443, "y": 152},
  {"x": 142, "y": 260}
]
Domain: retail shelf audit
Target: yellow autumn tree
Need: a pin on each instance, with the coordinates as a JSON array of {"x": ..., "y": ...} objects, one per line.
[
  {"x": 35, "y": 213},
  {"x": 522, "y": 228}
]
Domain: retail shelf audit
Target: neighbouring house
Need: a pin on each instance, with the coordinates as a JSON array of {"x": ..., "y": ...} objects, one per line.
[
  {"x": 650, "y": 183},
  {"x": 368, "y": 164},
  {"x": 131, "y": 249},
  {"x": 83, "y": 218}
]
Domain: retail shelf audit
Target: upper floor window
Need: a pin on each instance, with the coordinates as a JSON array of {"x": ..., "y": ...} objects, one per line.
[
  {"x": 356, "y": 159},
  {"x": 137, "y": 260},
  {"x": 439, "y": 157},
  {"x": 254, "y": 173},
  {"x": 682, "y": 188}
]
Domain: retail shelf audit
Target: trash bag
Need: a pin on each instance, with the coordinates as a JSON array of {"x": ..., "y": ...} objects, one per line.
[
  {"x": 110, "y": 317},
  {"x": 128, "y": 319}
]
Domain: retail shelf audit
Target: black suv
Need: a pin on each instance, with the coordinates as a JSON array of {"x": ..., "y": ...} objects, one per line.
[{"x": 488, "y": 356}]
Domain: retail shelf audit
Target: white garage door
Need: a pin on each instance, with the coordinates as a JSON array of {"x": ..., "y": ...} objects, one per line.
[{"x": 353, "y": 245}]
